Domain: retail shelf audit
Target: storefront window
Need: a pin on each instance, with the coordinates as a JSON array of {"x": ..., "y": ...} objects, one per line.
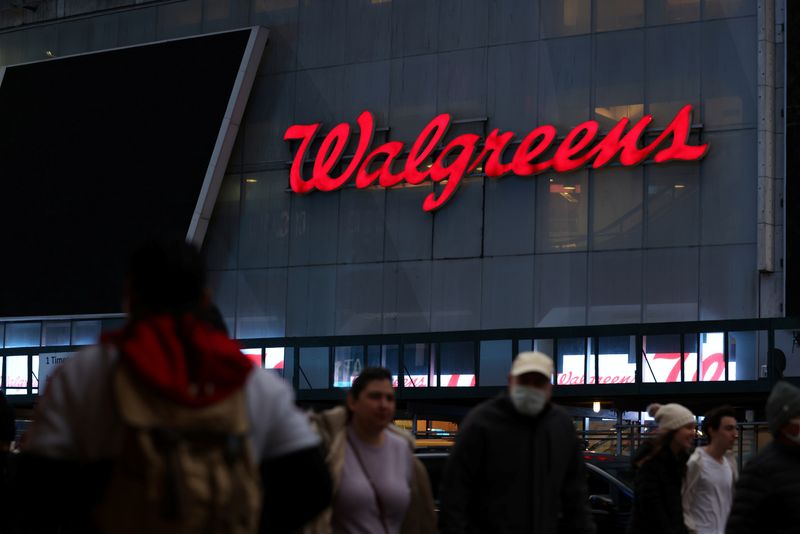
[
  {"x": 495, "y": 362},
  {"x": 417, "y": 368},
  {"x": 786, "y": 361},
  {"x": 23, "y": 334},
  {"x": 690, "y": 361},
  {"x": 712, "y": 357},
  {"x": 457, "y": 364},
  {"x": 16, "y": 378},
  {"x": 562, "y": 212},
  {"x": 314, "y": 366},
  {"x": 85, "y": 332},
  {"x": 56, "y": 333},
  {"x": 571, "y": 361},
  {"x": 745, "y": 352},
  {"x": 275, "y": 357},
  {"x": 347, "y": 365},
  {"x": 616, "y": 360},
  {"x": 254, "y": 355},
  {"x": 662, "y": 358}
]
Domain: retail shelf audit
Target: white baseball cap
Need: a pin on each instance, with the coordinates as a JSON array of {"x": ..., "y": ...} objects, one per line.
[{"x": 532, "y": 362}]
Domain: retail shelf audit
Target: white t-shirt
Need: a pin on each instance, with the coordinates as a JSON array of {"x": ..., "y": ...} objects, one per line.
[
  {"x": 708, "y": 492},
  {"x": 76, "y": 417}
]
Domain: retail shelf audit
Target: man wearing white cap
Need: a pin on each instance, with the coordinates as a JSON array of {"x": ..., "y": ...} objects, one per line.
[{"x": 517, "y": 465}]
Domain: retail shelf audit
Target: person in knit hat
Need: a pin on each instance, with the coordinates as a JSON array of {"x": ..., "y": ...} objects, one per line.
[
  {"x": 660, "y": 465},
  {"x": 767, "y": 496}
]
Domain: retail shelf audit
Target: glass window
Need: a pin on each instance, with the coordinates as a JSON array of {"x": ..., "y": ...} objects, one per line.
[
  {"x": 564, "y": 82},
  {"x": 562, "y": 212},
  {"x": 565, "y": 17},
  {"x": 507, "y": 288},
  {"x": 313, "y": 236},
  {"x": 786, "y": 362},
  {"x": 619, "y": 78},
  {"x": 16, "y": 375},
  {"x": 35, "y": 374},
  {"x": 509, "y": 215},
  {"x": 85, "y": 332},
  {"x": 457, "y": 230},
  {"x": 618, "y": 14},
  {"x": 729, "y": 72},
  {"x": 495, "y": 362},
  {"x": 2, "y": 335},
  {"x": 23, "y": 334},
  {"x": 275, "y": 357},
  {"x": 417, "y": 365},
  {"x": 617, "y": 359},
  {"x": 672, "y": 77},
  {"x": 457, "y": 364},
  {"x": 571, "y": 361},
  {"x": 390, "y": 359},
  {"x": 288, "y": 364},
  {"x": 615, "y": 287},
  {"x": 560, "y": 289},
  {"x": 673, "y": 205},
  {"x": 254, "y": 355},
  {"x": 261, "y": 303},
  {"x": 311, "y": 301},
  {"x": 712, "y": 356},
  {"x": 347, "y": 365},
  {"x": 264, "y": 231},
  {"x": 667, "y": 11},
  {"x": 359, "y": 298},
  {"x": 744, "y": 354},
  {"x": 456, "y": 295},
  {"x": 677, "y": 299},
  {"x": 56, "y": 333},
  {"x": 221, "y": 242},
  {"x": 361, "y": 225},
  {"x": 314, "y": 366},
  {"x": 723, "y": 268},
  {"x": 690, "y": 357},
  {"x": 662, "y": 358},
  {"x": 617, "y": 208}
]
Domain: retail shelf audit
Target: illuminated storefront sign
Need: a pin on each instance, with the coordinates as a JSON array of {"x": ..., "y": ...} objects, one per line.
[{"x": 581, "y": 147}]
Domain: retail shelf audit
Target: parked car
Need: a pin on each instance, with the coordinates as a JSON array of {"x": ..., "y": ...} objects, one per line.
[{"x": 610, "y": 499}]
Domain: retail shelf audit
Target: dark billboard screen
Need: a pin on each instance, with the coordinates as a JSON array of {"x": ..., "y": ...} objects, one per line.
[{"x": 97, "y": 153}]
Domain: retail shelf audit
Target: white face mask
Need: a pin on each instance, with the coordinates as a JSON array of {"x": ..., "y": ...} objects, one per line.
[{"x": 528, "y": 400}]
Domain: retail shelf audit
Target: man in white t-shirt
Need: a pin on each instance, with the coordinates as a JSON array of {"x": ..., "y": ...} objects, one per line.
[{"x": 711, "y": 474}]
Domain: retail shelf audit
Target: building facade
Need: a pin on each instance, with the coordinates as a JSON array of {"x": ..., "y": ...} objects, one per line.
[{"x": 657, "y": 281}]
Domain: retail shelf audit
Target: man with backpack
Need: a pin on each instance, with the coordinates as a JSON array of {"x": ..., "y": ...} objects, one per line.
[{"x": 166, "y": 426}]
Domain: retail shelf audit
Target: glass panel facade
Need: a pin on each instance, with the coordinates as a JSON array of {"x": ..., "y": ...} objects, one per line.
[
  {"x": 347, "y": 365},
  {"x": 457, "y": 364},
  {"x": 786, "y": 362},
  {"x": 616, "y": 360},
  {"x": 712, "y": 357},
  {"x": 16, "y": 378},
  {"x": 417, "y": 369},
  {"x": 314, "y": 367},
  {"x": 571, "y": 361},
  {"x": 744, "y": 354},
  {"x": 56, "y": 333},
  {"x": 662, "y": 358},
  {"x": 23, "y": 335},
  {"x": 85, "y": 332},
  {"x": 495, "y": 362}
]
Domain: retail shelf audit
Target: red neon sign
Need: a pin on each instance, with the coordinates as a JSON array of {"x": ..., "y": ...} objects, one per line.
[{"x": 464, "y": 154}]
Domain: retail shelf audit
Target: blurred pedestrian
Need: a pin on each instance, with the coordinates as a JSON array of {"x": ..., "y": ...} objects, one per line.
[
  {"x": 767, "y": 496},
  {"x": 517, "y": 464},
  {"x": 711, "y": 473},
  {"x": 166, "y": 425},
  {"x": 380, "y": 487},
  {"x": 660, "y": 468}
]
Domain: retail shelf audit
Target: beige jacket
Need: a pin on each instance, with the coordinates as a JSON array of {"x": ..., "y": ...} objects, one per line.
[{"x": 331, "y": 425}]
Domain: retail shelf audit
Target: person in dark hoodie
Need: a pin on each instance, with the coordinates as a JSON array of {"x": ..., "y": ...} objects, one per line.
[
  {"x": 767, "y": 495},
  {"x": 660, "y": 465},
  {"x": 517, "y": 464},
  {"x": 172, "y": 353}
]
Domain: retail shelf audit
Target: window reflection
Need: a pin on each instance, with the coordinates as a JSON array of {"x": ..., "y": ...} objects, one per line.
[
  {"x": 457, "y": 364},
  {"x": 562, "y": 214}
]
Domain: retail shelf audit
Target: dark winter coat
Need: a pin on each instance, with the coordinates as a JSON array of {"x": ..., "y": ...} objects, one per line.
[
  {"x": 511, "y": 473},
  {"x": 657, "y": 506},
  {"x": 767, "y": 496}
]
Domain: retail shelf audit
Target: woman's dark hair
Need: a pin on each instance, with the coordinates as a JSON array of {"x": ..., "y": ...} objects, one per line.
[
  {"x": 166, "y": 276},
  {"x": 369, "y": 374},
  {"x": 714, "y": 418},
  {"x": 657, "y": 445}
]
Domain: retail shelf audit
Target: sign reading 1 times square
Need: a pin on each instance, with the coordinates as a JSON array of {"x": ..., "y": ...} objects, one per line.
[{"x": 581, "y": 147}]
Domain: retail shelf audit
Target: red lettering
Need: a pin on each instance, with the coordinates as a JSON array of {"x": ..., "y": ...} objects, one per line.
[
  {"x": 576, "y": 141},
  {"x": 456, "y": 159}
]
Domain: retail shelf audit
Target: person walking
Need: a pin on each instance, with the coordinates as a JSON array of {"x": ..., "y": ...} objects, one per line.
[
  {"x": 660, "y": 465},
  {"x": 711, "y": 473},
  {"x": 517, "y": 464},
  {"x": 379, "y": 486},
  {"x": 167, "y": 426},
  {"x": 767, "y": 495}
]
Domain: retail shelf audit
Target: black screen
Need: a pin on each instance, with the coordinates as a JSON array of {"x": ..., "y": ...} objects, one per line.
[{"x": 97, "y": 153}]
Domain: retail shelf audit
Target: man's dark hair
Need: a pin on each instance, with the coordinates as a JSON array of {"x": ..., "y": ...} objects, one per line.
[
  {"x": 166, "y": 275},
  {"x": 369, "y": 374},
  {"x": 714, "y": 418}
]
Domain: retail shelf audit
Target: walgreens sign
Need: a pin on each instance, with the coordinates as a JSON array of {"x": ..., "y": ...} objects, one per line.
[{"x": 427, "y": 159}]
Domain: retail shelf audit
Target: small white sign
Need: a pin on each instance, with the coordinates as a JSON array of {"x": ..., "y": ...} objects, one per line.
[{"x": 47, "y": 363}]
